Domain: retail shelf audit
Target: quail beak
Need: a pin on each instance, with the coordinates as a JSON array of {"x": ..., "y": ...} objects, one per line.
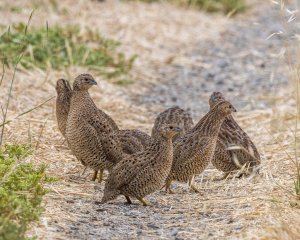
[
  {"x": 93, "y": 82},
  {"x": 213, "y": 97},
  {"x": 234, "y": 110}
]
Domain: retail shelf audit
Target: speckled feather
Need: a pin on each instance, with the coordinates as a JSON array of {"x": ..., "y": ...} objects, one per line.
[
  {"x": 91, "y": 137},
  {"x": 232, "y": 134},
  {"x": 194, "y": 150},
  {"x": 132, "y": 140},
  {"x": 176, "y": 116},
  {"x": 64, "y": 93},
  {"x": 144, "y": 172}
]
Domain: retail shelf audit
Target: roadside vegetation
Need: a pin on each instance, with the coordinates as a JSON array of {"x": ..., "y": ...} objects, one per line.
[
  {"x": 21, "y": 190},
  {"x": 21, "y": 182},
  {"x": 61, "y": 47},
  {"x": 226, "y": 6}
]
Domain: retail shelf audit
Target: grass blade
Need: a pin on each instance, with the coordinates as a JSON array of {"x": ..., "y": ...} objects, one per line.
[
  {"x": 28, "y": 111},
  {"x": 3, "y": 72},
  {"x": 9, "y": 97},
  {"x": 28, "y": 22}
]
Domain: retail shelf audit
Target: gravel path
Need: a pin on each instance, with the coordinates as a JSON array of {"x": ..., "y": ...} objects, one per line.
[
  {"x": 183, "y": 215},
  {"x": 242, "y": 62}
]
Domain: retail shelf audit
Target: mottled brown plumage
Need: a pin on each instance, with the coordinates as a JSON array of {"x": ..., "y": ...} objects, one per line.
[
  {"x": 131, "y": 141},
  {"x": 109, "y": 119},
  {"x": 90, "y": 135},
  {"x": 64, "y": 93},
  {"x": 194, "y": 150},
  {"x": 176, "y": 116},
  {"x": 231, "y": 134},
  {"x": 144, "y": 172}
]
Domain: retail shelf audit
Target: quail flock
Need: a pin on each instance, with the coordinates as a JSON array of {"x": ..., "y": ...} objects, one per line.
[{"x": 138, "y": 164}]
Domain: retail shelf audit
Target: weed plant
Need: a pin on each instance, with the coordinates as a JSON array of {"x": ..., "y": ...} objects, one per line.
[
  {"x": 60, "y": 47},
  {"x": 226, "y": 6},
  {"x": 21, "y": 191}
]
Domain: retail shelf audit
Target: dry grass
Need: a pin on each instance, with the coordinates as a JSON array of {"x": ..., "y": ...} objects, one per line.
[
  {"x": 261, "y": 206},
  {"x": 226, "y": 6}
]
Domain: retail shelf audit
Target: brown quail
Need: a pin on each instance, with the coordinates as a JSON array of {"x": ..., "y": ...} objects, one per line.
[
  {"x": 90, "y": 135},
  {"x": 231, "y": 134},
  {"x": 194, "y": 150},
  {"x": 64, "y": 93},
  {"x": 174, "y": 115},
  {"x": 144, "y": 172},
  {"x": 132, "y": 140}
]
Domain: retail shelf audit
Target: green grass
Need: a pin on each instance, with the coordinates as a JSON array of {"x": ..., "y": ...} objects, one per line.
[
  {"x": 225, "y": 6},
  {"x": 21, "y": 191},
  {"x": 60, "y": 47}
]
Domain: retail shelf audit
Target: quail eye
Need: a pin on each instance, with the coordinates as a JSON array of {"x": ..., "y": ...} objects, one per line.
[{"x": 171, "y": 127}]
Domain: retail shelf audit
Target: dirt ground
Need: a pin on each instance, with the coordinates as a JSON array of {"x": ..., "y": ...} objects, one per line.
[{"x": 183, "y": 55}]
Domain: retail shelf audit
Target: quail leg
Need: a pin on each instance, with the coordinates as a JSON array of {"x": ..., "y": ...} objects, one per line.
[
  {"x": 170, "y": 191},
  {"x": 143, "y": 202},
  {"x": 191, "y": 185},
  {"x": 95, "y": 176},
  {"x": 190, "y": 181},
  {"x": 100, "y": 176},
  {"x": 223, "y": 177},
  {"x": 241, "y": 175},
  {"x": 168, "y": 187},
  {"x": 128, "y": 199}
]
